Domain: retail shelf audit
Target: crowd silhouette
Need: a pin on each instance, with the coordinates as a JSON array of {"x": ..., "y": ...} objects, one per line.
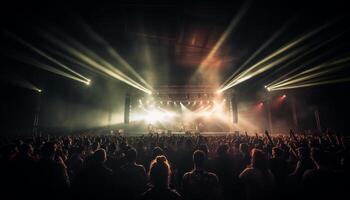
[{"x": 232, "y": 166}]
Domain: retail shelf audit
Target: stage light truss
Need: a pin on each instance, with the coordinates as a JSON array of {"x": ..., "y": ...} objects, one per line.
[
  {"x": 155, "y": 112},
  {"x": 168, "y": 104}
]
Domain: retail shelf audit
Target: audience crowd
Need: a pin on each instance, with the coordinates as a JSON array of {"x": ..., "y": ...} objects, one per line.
[{"x": 222, "y": 167}]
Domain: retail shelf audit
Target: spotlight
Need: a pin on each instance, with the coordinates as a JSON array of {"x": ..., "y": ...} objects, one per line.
[
  {"x": 39, "y": 90},
  {"x": 259, "y": 106},
  {"x": 265, "y": 86},
  {"x": 88, "y": 82},
  {"x": 281, "y": 98},
  {"x": 268, "y": 89}
]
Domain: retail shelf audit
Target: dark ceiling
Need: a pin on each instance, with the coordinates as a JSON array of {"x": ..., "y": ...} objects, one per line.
[{"x": 166, "y": 41}]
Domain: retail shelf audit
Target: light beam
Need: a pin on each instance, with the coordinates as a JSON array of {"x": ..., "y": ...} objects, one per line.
[
  {"x": 105, "y": 67},
  {"x": 247, "y": 74},
  {"x": 43, "y": 54}
]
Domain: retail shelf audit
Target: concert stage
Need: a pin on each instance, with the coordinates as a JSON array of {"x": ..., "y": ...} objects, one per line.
[{"x": 181, "y": 108}]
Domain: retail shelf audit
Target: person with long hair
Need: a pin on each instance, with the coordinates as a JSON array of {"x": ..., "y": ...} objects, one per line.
[
  {"x": 257, "y": 179},
  {"x": 159, "y": 174}
]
